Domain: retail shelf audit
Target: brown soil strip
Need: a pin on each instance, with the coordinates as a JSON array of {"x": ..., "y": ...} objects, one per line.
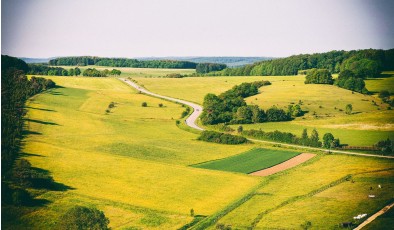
[{"x": 284, "y": 165}]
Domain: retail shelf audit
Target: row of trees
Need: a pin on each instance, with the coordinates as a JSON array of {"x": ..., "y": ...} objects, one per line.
[
  {"x": 16, "y": 88},
  {"x": 92, "y": 72},
  {"x": 39, "y": 69},
  {"x": 365, "y": 63},
  {"x": 122, "y": 62},
  {"x": 313, "y": 140},
  {"x": 221, "y": 138},
  {"x": 209, "y": 67}
]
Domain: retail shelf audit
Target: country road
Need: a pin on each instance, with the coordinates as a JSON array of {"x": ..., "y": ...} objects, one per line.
[
  {"x": 190, "y": 121},
  {"x": 197, "y": 110}
]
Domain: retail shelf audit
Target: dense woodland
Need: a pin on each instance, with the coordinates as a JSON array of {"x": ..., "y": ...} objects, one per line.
[
  {"x": 364, "y": 63},
  {"x": 121, "y": 62},
  {"x": 42, "y": 69},
  {"x": 209, "y": 67},
  {"x": 17, "y": 174}
]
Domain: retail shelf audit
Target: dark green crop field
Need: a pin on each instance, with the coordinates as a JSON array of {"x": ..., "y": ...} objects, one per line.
[{"x": 249, "y": 161}]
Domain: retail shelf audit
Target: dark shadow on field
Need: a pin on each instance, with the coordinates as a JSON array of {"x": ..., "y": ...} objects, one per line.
[
  {"x": 30, "y": 155},
  {"x": 28, "y": 132},
  {"x": 41, "y": 122},
  {"x": 56, "y": 93},
  {"x": 47, "y": 110},
  {"x": 355, "y": 113},
  {"x": 43, "y": 180}
]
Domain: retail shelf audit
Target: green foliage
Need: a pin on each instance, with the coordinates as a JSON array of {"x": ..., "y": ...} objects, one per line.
[
  {"x": 368, "y": 63},
  {"x": 41, "y": 69},
  {"x": 231, "y": 107},
  {"x": 249, "y": 161},
  {"x": 221, "y": 138},
  {"x": 328, "y": 140},
  {"x": 94, "y": 73},
  {"x": 122, "y": 62},
  {"x": 80, "y": 217},
  {"x": 384, "y": 95},
  {"x": 306, "y": 225},
  {"x": 21, "y": 197},
  {"x": 319, "y": 76},
  {"x": 209, "y": 67},
  {"x": 387, "y": 146},
  {"x": 349, "y": 80},
  {"x": 348, "y": 109},
  {"x": 144, "y": 104},
  {"x": 240, "y": 129},
  {"x": 295, "y": 110},
  {"x": 276, "y": 114}
]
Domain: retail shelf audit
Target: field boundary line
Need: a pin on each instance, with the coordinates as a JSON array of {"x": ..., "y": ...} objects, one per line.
[
  {"x": 374, "y": 216},
  {"x": 297, "y": 198}
]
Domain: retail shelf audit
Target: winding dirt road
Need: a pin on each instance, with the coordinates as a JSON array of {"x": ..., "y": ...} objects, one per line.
[{"x": 190, "y": 121}]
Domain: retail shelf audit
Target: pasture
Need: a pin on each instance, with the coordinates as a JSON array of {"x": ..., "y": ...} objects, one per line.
[
  {"x": 131, "y": 162},
  {"x": 250, "y": 161}
]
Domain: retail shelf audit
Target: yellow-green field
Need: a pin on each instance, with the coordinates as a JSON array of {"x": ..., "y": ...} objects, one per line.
[
  {"x": 133, "y": 162},
  {"x": 368, "y": 124}
]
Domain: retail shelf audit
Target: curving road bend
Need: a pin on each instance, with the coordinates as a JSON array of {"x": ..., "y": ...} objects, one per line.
[{"x": 190, "y": 121}]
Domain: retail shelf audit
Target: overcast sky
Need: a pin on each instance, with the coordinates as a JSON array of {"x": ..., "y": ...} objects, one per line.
[{"x": 131, "y": 28}]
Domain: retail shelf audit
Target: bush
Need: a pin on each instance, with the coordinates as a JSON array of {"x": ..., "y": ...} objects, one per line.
[
  {"x": 160, "y": 105},
  {"x": 222, "y": 138},
  {"x": 80, "y": 217},
  {"x": 144, "y": 104},
  {"x": 319, "y": 76}
]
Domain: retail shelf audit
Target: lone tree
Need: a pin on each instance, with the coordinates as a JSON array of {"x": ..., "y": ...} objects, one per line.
[
  {"x": 328, "y": 139},
  {"x": 349, "y": 109},
  {"x": 240, "y": 129},
  {"x": 80, "y": 217}
]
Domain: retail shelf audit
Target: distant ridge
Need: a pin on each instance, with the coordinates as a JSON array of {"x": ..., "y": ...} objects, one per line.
[
  {"x": 35, "y": 60},
  {"x": 229, "y": 61}
]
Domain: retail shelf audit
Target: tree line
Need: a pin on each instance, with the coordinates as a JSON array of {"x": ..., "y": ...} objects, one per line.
[
  {"x": 40, "y": 69},
  {"x": 313, "y": 140},
  {"x": 122, "y": 62},
  {"x": 16, "y": 88},
  {"x": 209, "y": 67},
  {"x": 364, "y": 63}
]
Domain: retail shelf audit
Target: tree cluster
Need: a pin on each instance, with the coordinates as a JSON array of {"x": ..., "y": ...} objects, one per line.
[
  {"x": 367, "y": 63},
  {"x": 224, "y": 108},
  {"x": 387, "y": 146},
  {"x": 16, "y": 88},
  {"x": 122, "y": 62},
  {"x": 80, "y": 217},
  {"x": 221, "y": 138},
  {"x": 209, "y": 67},
  {"x": 92, "y": 72},
  {"x": 40, "y": 69},
  {"x": 347, "y": 79},
  {"x": 319, "y": 76}
]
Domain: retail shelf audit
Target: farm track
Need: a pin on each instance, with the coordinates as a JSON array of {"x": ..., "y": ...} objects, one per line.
[
  {"x": 197, "y": 110},
  {"x": 284, "y": 165}
]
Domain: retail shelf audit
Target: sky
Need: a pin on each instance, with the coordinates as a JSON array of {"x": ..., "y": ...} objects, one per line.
[{"x": 158, "y": 28}]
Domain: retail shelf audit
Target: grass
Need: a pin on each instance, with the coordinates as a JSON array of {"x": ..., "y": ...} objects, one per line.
[
  {"x": 133, "y": 163},
  {"x": 367, "y": 125},
  {"x": 382, "y": 222},
  {"x": 130, "y": 163},
  {"x": 250, "y": 161},
  {"x": 286, "y": 194},
  {"x": 378, "y": 84}
]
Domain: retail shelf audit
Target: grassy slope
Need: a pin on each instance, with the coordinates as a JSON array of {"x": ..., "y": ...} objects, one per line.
[
  {"x": 367, "y": 125},
  {"x": 250, "y": 161},
  {"x": 130, "y": 163},
  {"x": 326, "y": 209}
]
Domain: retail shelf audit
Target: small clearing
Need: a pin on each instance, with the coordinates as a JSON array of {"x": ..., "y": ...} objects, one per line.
[{"x": 285, "y": 165}]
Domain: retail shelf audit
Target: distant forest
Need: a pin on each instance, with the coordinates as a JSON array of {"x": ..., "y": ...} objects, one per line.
[
  {"x": 368, "y": 63},
  {"x": 122, "y": 62}
]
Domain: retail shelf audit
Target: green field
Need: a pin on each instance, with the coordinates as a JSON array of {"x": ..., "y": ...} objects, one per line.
[{"x": 250, "y": 161}]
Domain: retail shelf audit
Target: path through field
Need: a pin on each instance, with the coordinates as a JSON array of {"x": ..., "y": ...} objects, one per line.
[
  {"x": 191, "y": 121},
  {"x": 284, "y": 165}
]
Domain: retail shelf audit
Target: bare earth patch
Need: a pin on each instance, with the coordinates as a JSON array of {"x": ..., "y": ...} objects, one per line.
[{"x": 285, "y": 165}]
